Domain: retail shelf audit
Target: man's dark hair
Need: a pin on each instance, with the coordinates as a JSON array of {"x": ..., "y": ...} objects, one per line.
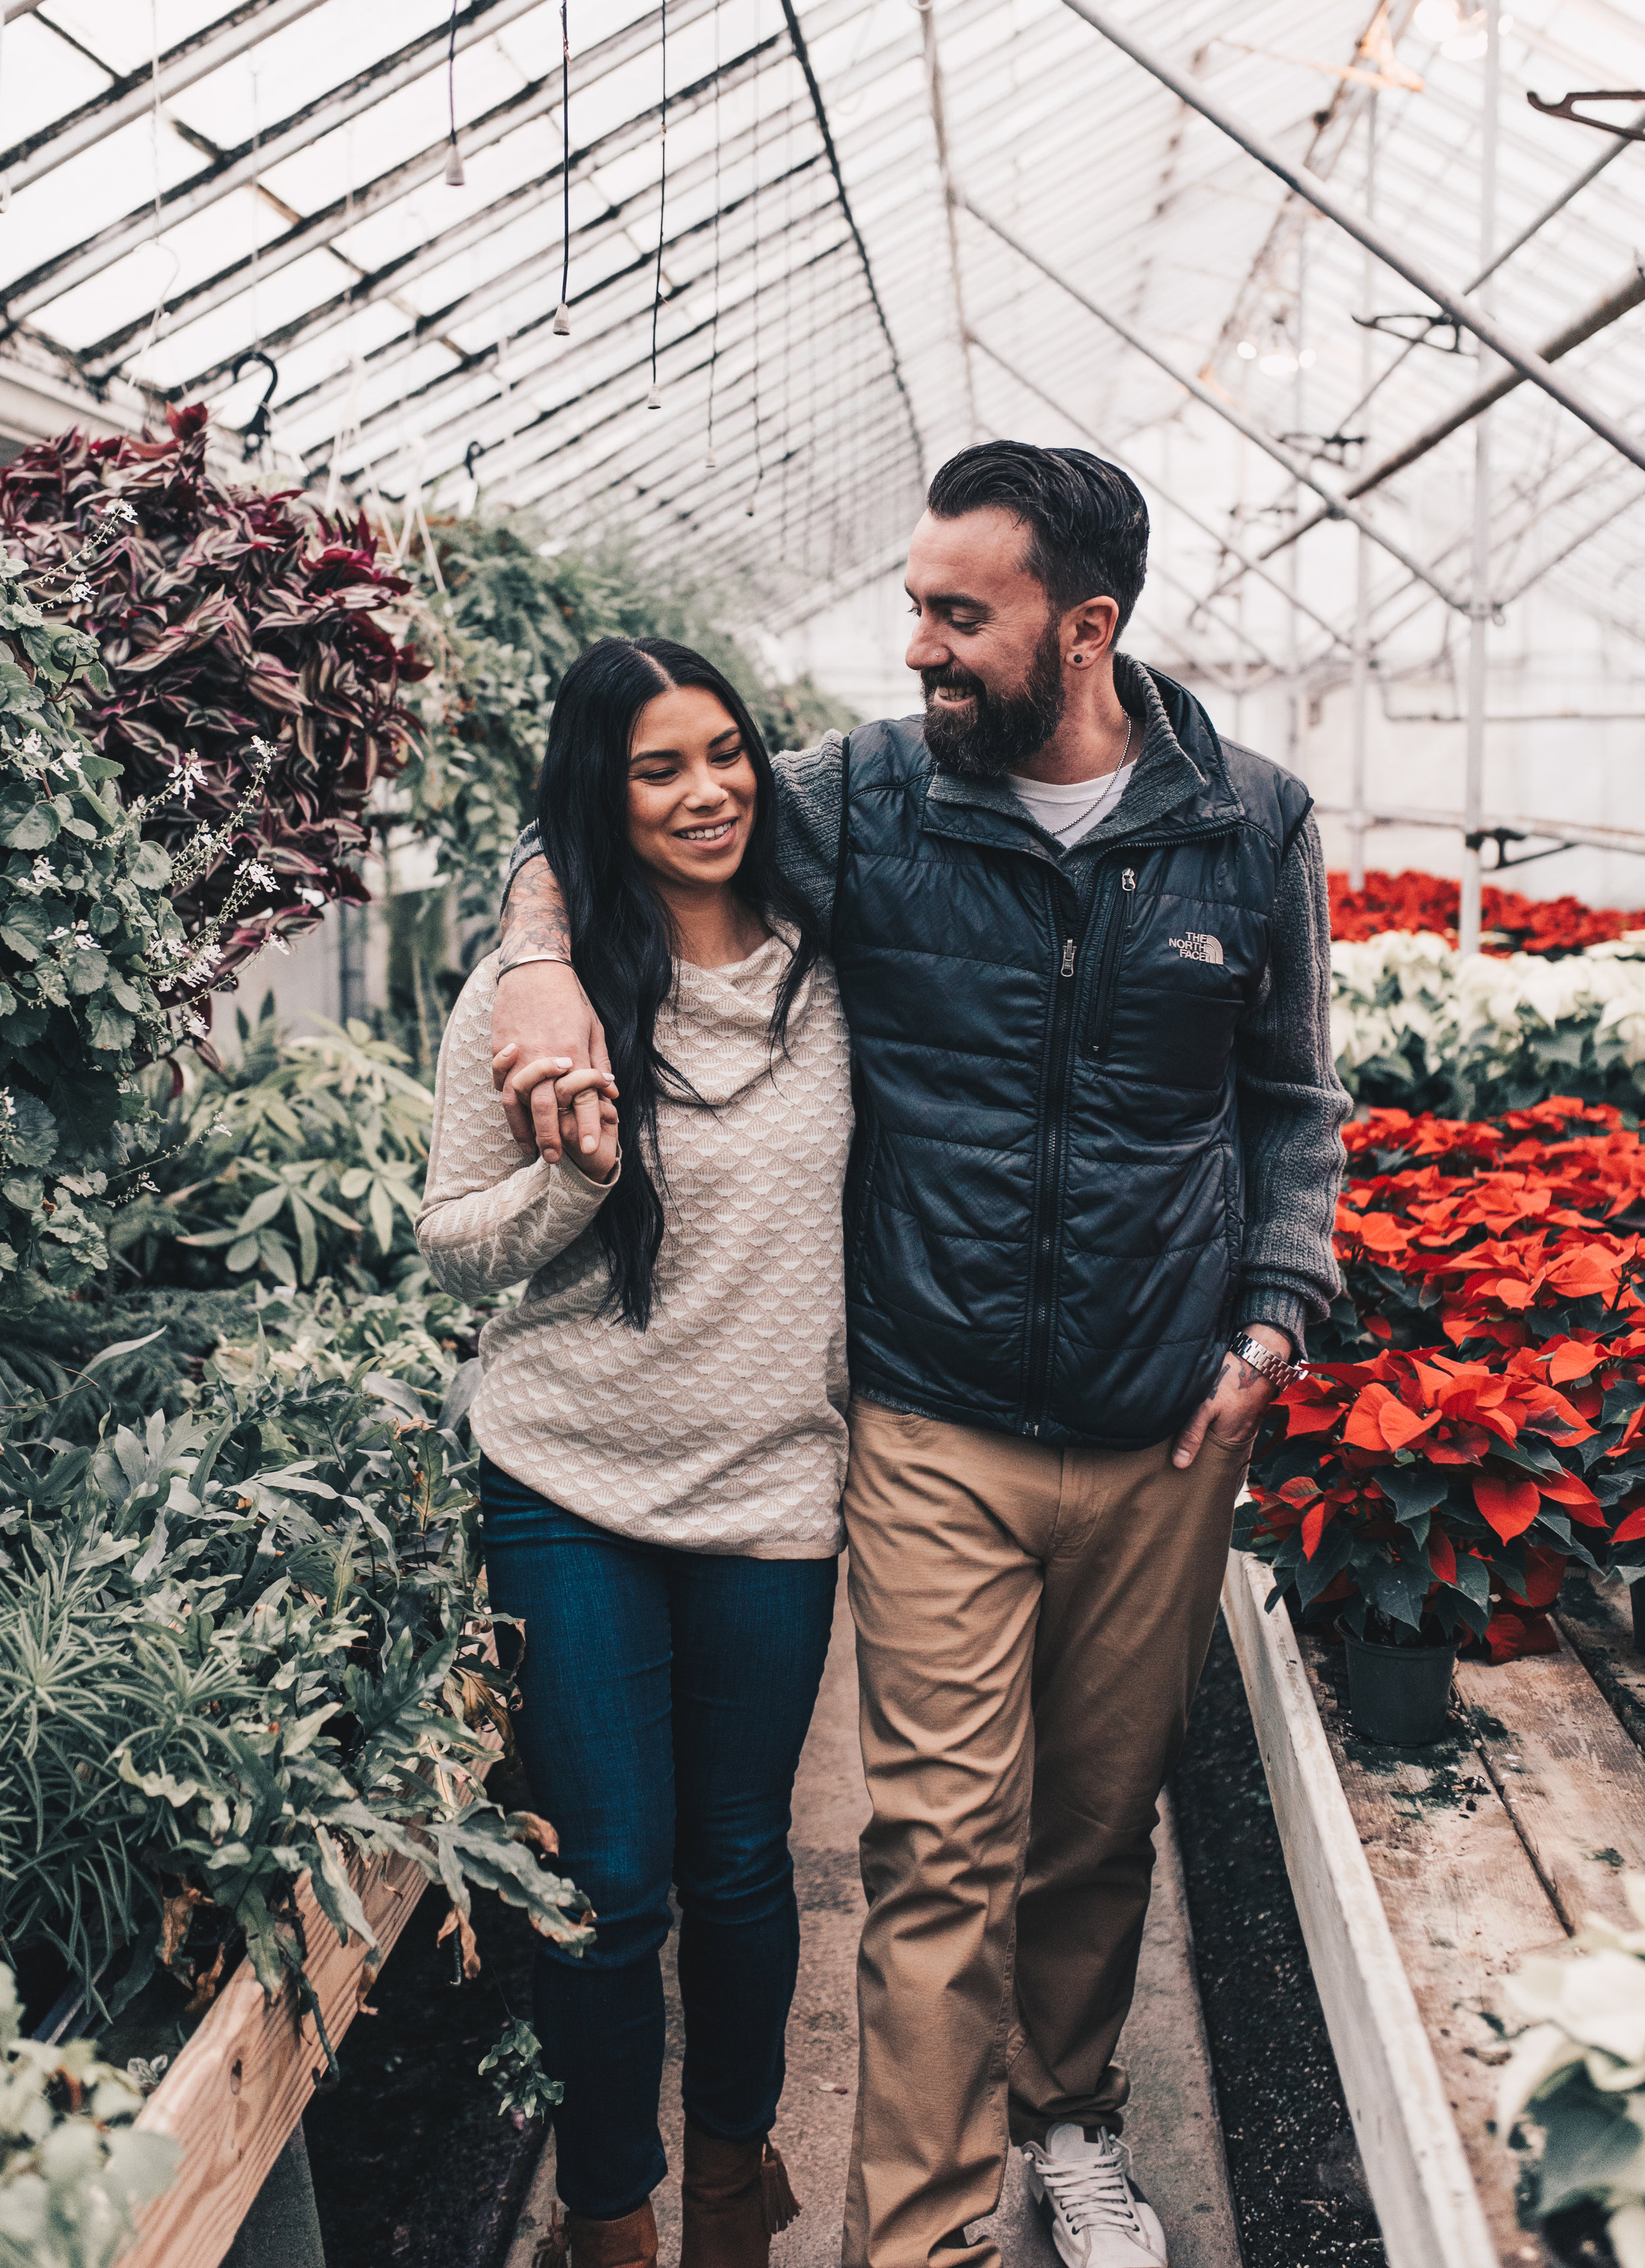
[{"x": 1087, "y": 524}]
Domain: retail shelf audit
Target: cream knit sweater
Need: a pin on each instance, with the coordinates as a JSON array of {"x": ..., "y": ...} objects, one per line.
[{"x": 721, "y": 1427}]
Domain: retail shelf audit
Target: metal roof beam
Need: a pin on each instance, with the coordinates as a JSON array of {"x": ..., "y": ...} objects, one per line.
[
  {"x": 327, "y": 113},
  {"x": 397, "y": 412},
  {"x": 133, "y": 94},
  {"x": 1298, "y": 469},
  {"x": 465, "y": 308},
  {"x": 419, "y": 260},
  {"x": 510, "y": 454},
  {"x": 631, "y": 472},
  {"x": 1457, "y": 305},
  {"x": 319, "y": 230}
]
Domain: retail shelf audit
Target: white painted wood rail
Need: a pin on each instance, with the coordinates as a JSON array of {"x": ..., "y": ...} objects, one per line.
[{"x": 1420, "y": 2179}]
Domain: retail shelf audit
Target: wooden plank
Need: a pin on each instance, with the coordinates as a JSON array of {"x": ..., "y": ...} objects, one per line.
[
  {"x": 1572, "y": 1779},
  {"x": 1597, "y": 1620},
  {"x": 237, "y": 2090},
  {"x": 1465, "y": 1906},
  {"x": 1418, "y": 2170}
]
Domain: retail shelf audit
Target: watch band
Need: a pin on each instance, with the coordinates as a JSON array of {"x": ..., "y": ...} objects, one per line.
[{"x": 1272, "y": 1366}]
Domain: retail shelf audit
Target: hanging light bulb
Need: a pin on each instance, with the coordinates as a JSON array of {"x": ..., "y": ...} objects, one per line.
[
  {"x": 653, "y": 400},
  {"x": 710, "y": 462},
  {"x": 455, "y": 178},
  {"x": 562, "y": 324},
  {"x": 1246, "y": 351}
]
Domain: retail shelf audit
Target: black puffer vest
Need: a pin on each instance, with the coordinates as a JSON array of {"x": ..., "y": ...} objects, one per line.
[{"x": 1043, "y": 1213}]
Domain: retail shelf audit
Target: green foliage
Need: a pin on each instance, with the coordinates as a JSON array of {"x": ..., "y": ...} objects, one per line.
[
  {"x": 86, "y": 930},
  {"x": 501, "y": 634},
  {"x": 304, "y": 1159},
  {"x": 71, "y": 2169},
  {"x": 235, "y": 1647},
  {"x": 515, "y": 2067}
]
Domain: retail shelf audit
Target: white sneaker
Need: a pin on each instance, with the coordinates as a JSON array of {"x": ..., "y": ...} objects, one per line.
[{"x": 1097, "y": 2216}]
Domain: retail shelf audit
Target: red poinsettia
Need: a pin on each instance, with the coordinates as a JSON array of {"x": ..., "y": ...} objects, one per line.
[
  {"x": 1501, "y": 1425},
  {"x": 1512, "y": 923}
]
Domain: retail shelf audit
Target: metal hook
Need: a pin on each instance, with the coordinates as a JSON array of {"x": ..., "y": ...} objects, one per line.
[
  {"x": 474, "y": 449},
  {"x": 255, "y": 432},
  {"x": 1563, "y": 108}
]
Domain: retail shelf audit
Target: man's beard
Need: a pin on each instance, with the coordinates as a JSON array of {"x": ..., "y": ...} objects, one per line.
[{"x": 1002, "y": 732}]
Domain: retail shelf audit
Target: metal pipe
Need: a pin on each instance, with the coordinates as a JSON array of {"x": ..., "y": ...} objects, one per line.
[
  {"x": 1299, "y": 471},
  {"x": 1468, "y": 913},
  {"x": 1186, "y": 511},
  {"x": 1554, "y": 830},
  {"x": 1596, "y": 527},
  {"x": 1605, "y": 311},
  {"x": 1361, "y": 677},
  {"x": 940, "y": 128},
  {"x": 133, "y": 95},
  {"x": 1457, "y": 305}
]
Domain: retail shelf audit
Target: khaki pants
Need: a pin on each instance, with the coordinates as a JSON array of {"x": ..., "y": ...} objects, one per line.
[{"x": 1031, "y": 1623}]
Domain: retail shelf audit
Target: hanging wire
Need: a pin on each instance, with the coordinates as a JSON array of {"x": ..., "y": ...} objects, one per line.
[
  {"x": 788, "y": 300},
  {"x": 455, "y": 175},
  {"x": 5, "y": 178},
  {"x": 713, "y": 348},
  {"x": 256, "y": 196},
  {"x": 754, "y": 207},
  {"x": 653, "y": 400},
  {"x": 563, "y": 312}
]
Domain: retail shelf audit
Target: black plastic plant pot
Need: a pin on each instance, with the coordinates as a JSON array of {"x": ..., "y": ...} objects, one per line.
[{"x": 1398, "y": 1695}]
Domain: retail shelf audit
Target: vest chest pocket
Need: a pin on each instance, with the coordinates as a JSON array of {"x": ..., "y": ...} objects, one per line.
[
  {"x": 1114, "y": 933},
  {"x": 1186, "y": 979}
]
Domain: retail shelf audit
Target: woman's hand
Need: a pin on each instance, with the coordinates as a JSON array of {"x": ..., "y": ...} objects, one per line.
[
  {"x": 572, "y": 1101},
  {"x": 572, "y": 1092}
]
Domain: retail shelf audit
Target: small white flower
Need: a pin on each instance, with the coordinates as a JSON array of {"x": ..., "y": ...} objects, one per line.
[
  {"x": 42, "y": 874},
  {"x": 220, "y": 1126},
  {"x": 195, "y": 1025},
  {"x": 254, "y": 871},
  {"x": 86, "y": 944},
  {"x": 61, "y": 930},
  {"x": 79, "y": 591},
  {"x": 11, "y": 1107},
  {"x": 120, "y": 510},
  {"x": 265, "y": 748},
  {"x": 280, "y": 945},
  {"x": 34, "y": 746},
  {"x": 189, "y": 774}
]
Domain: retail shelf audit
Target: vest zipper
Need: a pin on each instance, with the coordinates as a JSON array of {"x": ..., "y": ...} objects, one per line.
[
  {"x": 1113, "y": 955},
  {"x": 1041, "y": 1258}
]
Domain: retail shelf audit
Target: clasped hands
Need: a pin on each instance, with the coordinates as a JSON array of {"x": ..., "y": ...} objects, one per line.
[{"x": 552, "y": 1105}]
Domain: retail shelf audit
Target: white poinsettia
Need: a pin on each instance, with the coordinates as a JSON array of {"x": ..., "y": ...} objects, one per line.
[
  {"x": 1578, "y": 2074},
  {"x": 1408, "y": 1010}
]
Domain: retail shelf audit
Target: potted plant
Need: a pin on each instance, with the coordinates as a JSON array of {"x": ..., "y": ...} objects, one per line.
[{"x": 1484, "y": 1426}]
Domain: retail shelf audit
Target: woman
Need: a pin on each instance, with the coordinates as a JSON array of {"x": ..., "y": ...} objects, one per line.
[{"x": 662, "y": 1429}]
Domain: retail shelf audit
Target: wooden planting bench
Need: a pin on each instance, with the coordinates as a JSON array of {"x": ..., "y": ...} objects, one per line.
[{"x": 1424, "y": 1877}]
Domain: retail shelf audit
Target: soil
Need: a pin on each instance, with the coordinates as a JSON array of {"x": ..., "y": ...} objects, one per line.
[
  {"x": 414, "y": 2166},
  {"x": 1299, "y": 2187}
]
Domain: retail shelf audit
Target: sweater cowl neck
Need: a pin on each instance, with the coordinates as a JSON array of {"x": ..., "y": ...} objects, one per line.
[{"x": 717, "y": 1028}]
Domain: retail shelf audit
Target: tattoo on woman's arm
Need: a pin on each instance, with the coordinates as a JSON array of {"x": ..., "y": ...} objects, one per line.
[{"x": 534, "y": 916}]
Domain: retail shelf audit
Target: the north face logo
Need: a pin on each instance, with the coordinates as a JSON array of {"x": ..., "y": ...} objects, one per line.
[{"x": 1196, "y": 947}]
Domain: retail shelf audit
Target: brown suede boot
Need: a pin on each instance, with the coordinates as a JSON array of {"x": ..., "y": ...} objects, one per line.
[
  {"x": 631, "y": 2242},
  {"x": 735, "y": 2196}
]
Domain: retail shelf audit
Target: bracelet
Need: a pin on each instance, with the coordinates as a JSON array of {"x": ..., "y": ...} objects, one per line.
[
  {"x": 527, "y": 959},
  {"x": 1272, "y": 1366}
]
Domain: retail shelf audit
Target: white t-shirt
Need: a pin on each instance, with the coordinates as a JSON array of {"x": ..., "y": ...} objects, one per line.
[{"x": 1071, "y": 812}]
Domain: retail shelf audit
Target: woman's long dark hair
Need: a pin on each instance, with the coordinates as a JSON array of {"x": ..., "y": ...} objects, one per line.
[{"x": 622, "y": 938}]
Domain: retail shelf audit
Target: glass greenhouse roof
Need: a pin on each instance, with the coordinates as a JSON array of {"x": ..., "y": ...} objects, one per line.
[{"x": 810, "y": 284}]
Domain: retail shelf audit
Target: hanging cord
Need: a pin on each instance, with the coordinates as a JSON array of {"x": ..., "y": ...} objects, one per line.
[
  {"x": 256, "y": 195},
  {"x": 754, "y": 203},
  {"x": 713, "y": 349},
  {"x": 455, "y": 175},
  {"x": 653, "y": 400},
  {"x": 563, "y": 312}
]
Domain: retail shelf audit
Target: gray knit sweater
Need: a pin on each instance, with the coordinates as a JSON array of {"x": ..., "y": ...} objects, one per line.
[{"x": 1292, "y": 1105}]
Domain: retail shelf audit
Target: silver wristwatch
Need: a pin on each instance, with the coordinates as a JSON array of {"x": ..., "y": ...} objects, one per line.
[{"x": 1273, "y": 1366}]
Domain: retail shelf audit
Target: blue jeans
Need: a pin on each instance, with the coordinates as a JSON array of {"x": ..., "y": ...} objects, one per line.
[{"x": 665, "y": 1699}]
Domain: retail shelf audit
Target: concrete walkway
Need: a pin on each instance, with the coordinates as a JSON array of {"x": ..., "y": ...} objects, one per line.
[{"x": 1172, "y": 2123}]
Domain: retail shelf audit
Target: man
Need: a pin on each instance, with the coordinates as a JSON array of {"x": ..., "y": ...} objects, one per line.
[{"x": 1083, "y": 947}]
